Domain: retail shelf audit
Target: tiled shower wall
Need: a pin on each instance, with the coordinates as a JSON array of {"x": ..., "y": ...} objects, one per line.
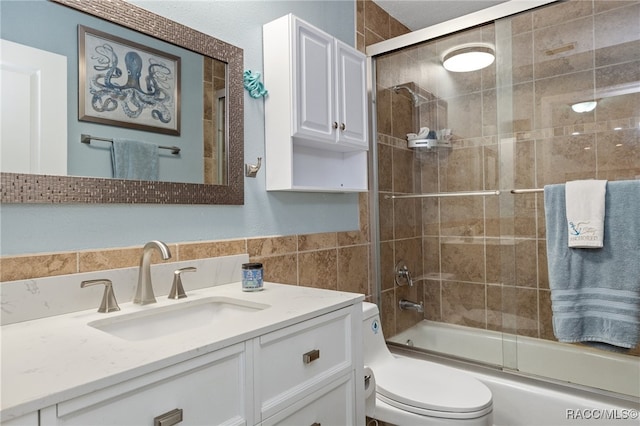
[{"x": 481, "y": 261}]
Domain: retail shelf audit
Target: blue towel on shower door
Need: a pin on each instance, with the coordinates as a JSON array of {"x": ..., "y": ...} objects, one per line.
[
  {"x": 134, "y": 160},
  {"x": 595, "y": 293}
]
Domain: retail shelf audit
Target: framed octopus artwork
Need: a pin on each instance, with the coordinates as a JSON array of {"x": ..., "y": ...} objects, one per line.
[{"x": 126, "y": 84}]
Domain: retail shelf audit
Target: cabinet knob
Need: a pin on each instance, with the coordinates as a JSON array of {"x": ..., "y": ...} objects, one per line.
[
  {"x": 311, "y": 356},
  {"x": 343, "y": 127},
  {"x": 169, "y": 418},
  {"x": 335, "y": 124}
]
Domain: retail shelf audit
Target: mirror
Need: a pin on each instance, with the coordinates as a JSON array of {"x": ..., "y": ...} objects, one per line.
[{"x": 223, "y": 102}]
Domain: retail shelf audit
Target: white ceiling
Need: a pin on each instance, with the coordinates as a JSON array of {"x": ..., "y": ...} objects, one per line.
[{"x": 418, "y": 14}]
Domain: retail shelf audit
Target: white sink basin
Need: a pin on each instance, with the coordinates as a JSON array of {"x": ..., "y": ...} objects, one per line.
[{"x": 153, "y": 322}]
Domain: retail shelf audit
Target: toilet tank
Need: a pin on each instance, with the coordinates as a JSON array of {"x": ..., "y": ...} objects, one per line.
[{"x": 374, "y": 346}]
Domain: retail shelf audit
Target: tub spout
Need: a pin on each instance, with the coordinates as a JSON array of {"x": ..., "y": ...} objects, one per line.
[{"x": 407, "y": 304}]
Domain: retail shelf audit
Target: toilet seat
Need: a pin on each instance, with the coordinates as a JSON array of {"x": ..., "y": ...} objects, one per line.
[{"x": 430, "y": 389}]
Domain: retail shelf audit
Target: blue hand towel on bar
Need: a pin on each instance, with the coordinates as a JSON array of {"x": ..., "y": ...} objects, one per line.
[
  {"x": 134, "y": 160},
  {"x": 585, "y": 212},
  {"x": 595, "y": 293}
]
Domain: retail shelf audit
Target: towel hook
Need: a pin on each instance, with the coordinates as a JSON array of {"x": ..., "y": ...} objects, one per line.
[{"x": 251, "y": 170}]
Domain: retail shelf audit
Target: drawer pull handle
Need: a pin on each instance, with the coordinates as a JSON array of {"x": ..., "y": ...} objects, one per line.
[
  {"x": 311, "y": 356},
  {"x": 169, "y": 418},
  {"x": 316, "y": 424}
]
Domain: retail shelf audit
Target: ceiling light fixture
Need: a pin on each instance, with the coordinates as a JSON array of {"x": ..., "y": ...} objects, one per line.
[
  {"x": 468, "y": 57},
  {"x": 581, "y": 107}
]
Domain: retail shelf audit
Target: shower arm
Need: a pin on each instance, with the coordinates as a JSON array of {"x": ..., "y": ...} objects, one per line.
[{"x": 414, "y": 95}]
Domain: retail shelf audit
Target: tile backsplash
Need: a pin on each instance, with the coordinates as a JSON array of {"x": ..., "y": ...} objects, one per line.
[
  {"x": 333, "y": 260},
  {"x": 33, "y": 298}
]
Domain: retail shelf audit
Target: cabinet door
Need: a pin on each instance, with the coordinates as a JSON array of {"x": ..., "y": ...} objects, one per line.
[
  {"x": 351, "y": 96},
  {"x": 314, "y": 106},
  {"x": 209, "y": 390}
]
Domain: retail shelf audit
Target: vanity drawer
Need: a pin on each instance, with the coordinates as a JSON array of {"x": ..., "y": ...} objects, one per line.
[
  {"x": 210, "y": 389},
  {"x": 331, "y": 405},
  {"x": 292, "y": 363}
]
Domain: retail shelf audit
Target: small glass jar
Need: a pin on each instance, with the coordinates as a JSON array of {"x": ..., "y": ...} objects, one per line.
[{"x": 252, "y": 276}]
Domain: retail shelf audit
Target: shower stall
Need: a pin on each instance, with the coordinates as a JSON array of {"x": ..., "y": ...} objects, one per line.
[{"x": 465, "y": 213}]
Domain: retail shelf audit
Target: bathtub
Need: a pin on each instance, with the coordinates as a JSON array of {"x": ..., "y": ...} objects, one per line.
[{"x": 610, "y": 396}]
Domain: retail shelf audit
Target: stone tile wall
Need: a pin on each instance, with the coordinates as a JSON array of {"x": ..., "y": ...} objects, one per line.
[{"x": 481, "y": 261}]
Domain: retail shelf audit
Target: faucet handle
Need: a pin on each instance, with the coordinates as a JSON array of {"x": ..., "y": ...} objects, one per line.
[
  {"x": 403, "y": 276},
  {"x": 177, "y": 291},
  {"x": 109, "y": 302}
]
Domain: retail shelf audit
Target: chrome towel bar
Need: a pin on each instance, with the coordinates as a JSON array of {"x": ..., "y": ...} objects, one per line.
[{"x": 84, "y": 138}]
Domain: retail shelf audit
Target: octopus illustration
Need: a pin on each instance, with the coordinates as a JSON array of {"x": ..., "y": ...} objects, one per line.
[{"x": 108, "y": 95}]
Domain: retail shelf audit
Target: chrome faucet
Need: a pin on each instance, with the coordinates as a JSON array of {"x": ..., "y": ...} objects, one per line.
[
  {"x": 407, "y": 304},
  {"x": 144, "y": 291}
]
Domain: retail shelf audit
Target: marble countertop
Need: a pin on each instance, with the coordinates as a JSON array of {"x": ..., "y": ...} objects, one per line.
[{"x": 50, "y": 360}]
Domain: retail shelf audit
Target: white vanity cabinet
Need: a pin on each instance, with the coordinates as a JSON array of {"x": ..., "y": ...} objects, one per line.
[
  {"x": 305, "y": 372},
  {"x": 307, "y": 368},
  {"x": 316, "y": 111},
  {"x": 297, "y": 360},
  {"x": 211, "y": 389},
  {"x": 31, "y": 419}
]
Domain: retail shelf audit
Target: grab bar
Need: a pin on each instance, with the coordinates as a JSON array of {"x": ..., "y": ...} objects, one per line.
[
  {"x": 88, "y": 138},
  {"x": 526, "y": 191},
  {"x": 463, "y": 194},
  {"x": 443, "y": 194}
]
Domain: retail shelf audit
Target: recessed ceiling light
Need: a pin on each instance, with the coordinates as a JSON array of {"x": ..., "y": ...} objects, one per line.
[
  {"x": 581, "y": 107},
  {"x": 468, "y": 57}
]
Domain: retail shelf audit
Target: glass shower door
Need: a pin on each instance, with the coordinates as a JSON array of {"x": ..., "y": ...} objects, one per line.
[{"x": 478, "y": 258}]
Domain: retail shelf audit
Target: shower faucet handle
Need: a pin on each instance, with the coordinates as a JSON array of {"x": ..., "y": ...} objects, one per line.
[{"x": 403, "y": 276}]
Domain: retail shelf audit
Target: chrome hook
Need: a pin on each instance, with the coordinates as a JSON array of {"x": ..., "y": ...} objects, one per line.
[{"x": 251, "y": 170}]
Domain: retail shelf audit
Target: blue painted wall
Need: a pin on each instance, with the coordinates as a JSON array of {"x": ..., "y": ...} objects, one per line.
[{"x": 28, "y": 229}]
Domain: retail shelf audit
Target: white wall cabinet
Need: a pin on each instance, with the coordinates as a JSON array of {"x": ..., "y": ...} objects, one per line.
[
  {"x": 305, "y": 373},
  {"x": 316, "y": 116}
]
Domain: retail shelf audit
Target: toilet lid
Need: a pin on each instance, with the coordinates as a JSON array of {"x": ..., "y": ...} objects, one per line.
[{"x": 425, "y": 387}]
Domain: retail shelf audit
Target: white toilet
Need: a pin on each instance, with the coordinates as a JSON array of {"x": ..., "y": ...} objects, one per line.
[{"x": 412, "y": 392}]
